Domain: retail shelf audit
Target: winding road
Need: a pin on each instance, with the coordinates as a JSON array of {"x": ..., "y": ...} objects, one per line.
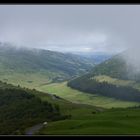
[{"x": 32, "y": 130}]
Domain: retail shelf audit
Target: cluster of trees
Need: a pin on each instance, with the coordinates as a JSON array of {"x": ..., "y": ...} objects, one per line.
[
  {"x": 20, "y": 109},
  {"x": 105, "y": 89}
]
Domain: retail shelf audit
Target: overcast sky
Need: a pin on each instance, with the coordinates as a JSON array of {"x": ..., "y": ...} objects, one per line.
[{"x": 71, "y": 28}]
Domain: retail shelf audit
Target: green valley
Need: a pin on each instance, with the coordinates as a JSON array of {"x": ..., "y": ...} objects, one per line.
[
  {"x": 39, "y": 66},
  {"x": 69, "y": 70},
  {"x": 55, "y": 88},
  {"x": 75, "y": 96},
  {"x": 112, "y": 78}
]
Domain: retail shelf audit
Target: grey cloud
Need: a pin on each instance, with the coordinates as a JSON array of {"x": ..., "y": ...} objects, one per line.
[{"x": 71, "y": 27}]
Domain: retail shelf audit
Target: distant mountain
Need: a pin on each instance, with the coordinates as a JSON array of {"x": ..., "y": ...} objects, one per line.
[
  {"x": 95, "y": 57},
  {"x": 49, "y": 65},
  {"x": 113, "y": 78}
]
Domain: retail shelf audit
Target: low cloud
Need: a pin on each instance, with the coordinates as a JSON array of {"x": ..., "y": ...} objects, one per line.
[{"x": 69, "y": 28}]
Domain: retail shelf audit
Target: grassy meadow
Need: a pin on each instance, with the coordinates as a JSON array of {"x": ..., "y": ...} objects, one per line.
[
  {"x": 118, "y": 82},
  {"x": 75, "y": 96},
  {"x": 109, "y": 122},
  {"x": 91, "y": 114}
]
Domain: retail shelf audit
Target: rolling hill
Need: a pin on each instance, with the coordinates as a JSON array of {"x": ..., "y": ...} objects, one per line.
[
  {"x": 31, "y": 67},
  {"x": 112, "y": 78},
  {"x": 21, "y": 108}
]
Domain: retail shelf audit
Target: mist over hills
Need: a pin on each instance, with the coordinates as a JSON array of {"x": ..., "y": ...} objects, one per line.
[
  {"x": 96, "y": 57},
  {"x": 54, "y": 64},
  {"x": 118, "y": 77}
]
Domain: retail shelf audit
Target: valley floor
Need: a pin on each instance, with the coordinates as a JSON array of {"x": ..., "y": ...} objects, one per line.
[
  {"x": 62, "y": 90},
  {"x": 93, "y": 121}
]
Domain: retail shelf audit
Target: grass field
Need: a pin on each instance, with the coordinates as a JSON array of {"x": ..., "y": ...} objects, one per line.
[
  {"x": 114, "y": 121},
  {"x": 40, "y": 82},
  {"x": 89, "y": 120},
  {"x": 30, "y": 80},
  {"x": 115, "y": 81},
  {"x": 90, "y": 114},
  {"x": 76, "y": 96}
]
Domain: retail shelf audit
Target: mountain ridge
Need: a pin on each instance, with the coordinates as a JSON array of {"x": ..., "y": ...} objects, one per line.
[
  {"x": 44, "y": 65},
  {"x": 114, "y": 69}
]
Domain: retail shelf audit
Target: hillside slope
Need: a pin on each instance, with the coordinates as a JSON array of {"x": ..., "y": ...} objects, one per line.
[
  {"x": 39, "y": 66},
  {"x": 21, "y": 108},
  {"x": 113, "y": 78}
]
